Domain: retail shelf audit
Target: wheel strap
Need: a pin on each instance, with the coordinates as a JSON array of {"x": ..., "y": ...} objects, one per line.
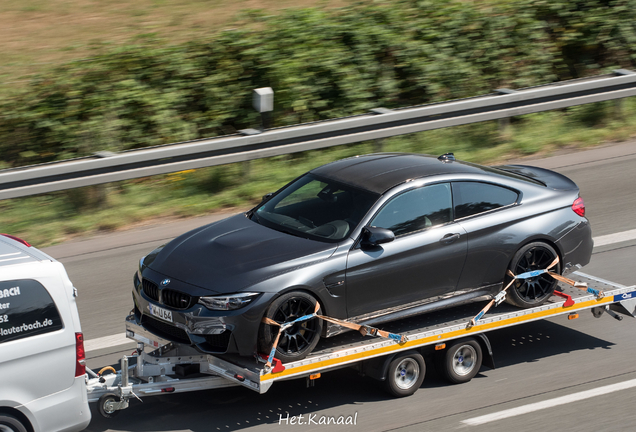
[
  {"x": 500, "y": 297},
  {"x": 364, "y": 330}
]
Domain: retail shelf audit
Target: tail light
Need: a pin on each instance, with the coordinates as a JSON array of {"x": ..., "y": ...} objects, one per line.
[
  {"x": 578, "y": 206},
  {"x": 18, "y": 239},
  {"x": 80, "y": 354}
]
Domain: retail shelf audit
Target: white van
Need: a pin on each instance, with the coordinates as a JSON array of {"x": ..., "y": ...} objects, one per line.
[{"x": 42, "y": 372}]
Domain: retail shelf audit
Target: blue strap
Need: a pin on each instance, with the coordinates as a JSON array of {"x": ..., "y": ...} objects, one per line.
[
  {"x": 479, "y": 315},
  {"x": 530, "y": 274},
  {"x": 270, "y": 359},
  {"x": 593, "y": 291},
  {"x": 395, "y": 337},
  {"x": 303, "y": 318}
]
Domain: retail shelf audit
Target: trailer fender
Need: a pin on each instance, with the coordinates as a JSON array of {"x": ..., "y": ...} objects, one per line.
[
  {"x": 486, "y": 351},
  {"x": 377, "y": 367}
]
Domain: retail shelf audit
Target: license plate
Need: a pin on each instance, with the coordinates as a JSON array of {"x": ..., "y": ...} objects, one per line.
[{"x": 161, "y": 313}]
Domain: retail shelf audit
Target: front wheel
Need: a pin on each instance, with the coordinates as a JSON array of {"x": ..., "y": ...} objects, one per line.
[
  {"x": 527, "y": 293},
  {"x": 105, "y": 405},
  {"x": 296, "y": 342},
  {"x": 405, "y": 374}
]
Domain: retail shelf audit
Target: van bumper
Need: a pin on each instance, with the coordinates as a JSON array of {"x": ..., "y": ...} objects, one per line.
[{"x": 65, "y": 411}]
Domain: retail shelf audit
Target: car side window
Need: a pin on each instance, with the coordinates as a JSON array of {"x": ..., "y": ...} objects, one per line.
[
  {"x": 26, "y": 309},
  {"x": 471, "y": 198},
  {"x": 416, "y": 210}
]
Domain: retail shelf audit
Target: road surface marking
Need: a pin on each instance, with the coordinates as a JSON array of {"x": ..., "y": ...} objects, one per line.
[
  {"x": 106, "y": 342},
  {"x": 120, "y": 339},
  {"x": 549, "y": 403},
  {"x": 614, "y": 238}
]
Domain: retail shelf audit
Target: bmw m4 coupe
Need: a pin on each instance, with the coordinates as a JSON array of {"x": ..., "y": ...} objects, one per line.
[{"x": 369, "y": 239}]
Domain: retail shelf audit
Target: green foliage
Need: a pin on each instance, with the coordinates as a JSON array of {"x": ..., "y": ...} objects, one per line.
[{"x": 321, "y": 64}]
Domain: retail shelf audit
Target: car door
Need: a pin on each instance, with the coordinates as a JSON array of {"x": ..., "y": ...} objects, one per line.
[
  {"x": 484, "y": 212},
  {"x": 423, "y": 262}
]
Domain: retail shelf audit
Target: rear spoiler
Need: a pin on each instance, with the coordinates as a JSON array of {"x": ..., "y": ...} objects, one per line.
[{"x": 546, "y": 177}]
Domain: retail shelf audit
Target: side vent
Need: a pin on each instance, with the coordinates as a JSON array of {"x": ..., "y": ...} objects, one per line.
[{"x": 336, "y": 289}]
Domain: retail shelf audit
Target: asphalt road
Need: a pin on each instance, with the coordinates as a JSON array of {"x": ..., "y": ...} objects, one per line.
[{"x": 536, "y": 362}]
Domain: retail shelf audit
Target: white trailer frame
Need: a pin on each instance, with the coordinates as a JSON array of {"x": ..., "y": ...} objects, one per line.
[{"x": 169, "y": 367}]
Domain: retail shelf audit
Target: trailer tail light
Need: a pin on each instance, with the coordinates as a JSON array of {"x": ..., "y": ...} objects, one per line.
[
  {"x": 80, "y": 354},
  {"x": 578, "y": 206},
  {"x": 18, "y": 239}
]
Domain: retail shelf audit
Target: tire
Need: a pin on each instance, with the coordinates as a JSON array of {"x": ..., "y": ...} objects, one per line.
[
  {"x": 405, "y": 374},
  {"x": 527, "y": 293},
  {"x": 298, "y": 341},
  {"x": 460, "y": 362},
  {"x": 9, "y": 423},
  {"x": 105, "y": 411}
]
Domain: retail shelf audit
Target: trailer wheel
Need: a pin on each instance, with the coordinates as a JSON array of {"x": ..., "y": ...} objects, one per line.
[
  {"x": 104, "y": 405},
  {"x": 460, "y": 362},
  {"x": 8, "y": 423},
  {"x": 405, "y": 374}
]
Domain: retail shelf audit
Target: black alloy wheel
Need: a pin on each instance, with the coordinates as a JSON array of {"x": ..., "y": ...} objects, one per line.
[
  {"x": 297, "y": 341},
  {"x": 534, "y": 291}
]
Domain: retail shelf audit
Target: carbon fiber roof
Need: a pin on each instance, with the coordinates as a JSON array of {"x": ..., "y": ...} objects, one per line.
[{"x": 380, "y": 172}]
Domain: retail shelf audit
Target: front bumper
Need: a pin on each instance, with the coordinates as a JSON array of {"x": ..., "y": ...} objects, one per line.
[{"x": 211, "y": 332}]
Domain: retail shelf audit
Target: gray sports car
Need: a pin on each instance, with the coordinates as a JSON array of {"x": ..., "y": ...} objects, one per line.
[{"x": 371, "y": 239}]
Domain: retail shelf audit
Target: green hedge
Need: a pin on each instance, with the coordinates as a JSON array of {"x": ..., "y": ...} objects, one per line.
[{"x": 321, "y": 64}]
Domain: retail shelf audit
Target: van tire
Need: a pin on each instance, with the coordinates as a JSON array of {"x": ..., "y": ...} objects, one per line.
[{"x": 12, "y": 423}]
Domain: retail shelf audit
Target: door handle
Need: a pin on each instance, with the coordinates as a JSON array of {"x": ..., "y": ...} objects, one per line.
[{"x": 450, "y": 238}]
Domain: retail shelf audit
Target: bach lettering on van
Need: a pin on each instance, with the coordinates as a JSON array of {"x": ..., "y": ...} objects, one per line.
[{"x": 9, "y": 292}]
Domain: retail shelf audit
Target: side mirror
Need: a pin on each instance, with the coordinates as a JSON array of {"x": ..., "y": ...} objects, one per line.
[
  {"x": 373, "y": 236},
  {"x": 267, "y": 196}
]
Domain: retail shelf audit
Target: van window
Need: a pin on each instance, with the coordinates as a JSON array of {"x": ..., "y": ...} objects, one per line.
[{"x": 26, "y": 309}]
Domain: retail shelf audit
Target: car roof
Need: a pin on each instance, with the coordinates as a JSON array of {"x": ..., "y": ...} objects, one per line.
[
  {"x": 381, "y": 171},
  {"x": 13, "y": 252}
]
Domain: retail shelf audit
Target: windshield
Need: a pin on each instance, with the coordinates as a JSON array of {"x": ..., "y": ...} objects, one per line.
[{"x": 315, "y": 208}]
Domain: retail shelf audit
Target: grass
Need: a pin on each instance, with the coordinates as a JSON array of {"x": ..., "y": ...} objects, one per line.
[
  {"x": 36, "y": 35},
  {"x": 54, "y": 218}
]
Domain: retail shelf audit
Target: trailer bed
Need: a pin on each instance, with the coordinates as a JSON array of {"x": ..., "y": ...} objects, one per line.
[{"x": 162, "y": 370}]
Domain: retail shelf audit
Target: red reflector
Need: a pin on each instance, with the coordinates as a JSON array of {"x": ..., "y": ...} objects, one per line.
[
  {"x": 579, "y": 206},
  {"x": 80, "y": 354},
  {"x": 18, "y": 239},
  {"x": 167, "y": 390}
]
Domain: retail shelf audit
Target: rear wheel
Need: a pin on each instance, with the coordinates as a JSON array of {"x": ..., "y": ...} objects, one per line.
[
  {"x": 405, "y": 374},
  {"x": 9, "y": 423},
  {"x": 526, "y": 293},
  {"x": 296, "y": 342},
  {"x": 461, "y": 361}
]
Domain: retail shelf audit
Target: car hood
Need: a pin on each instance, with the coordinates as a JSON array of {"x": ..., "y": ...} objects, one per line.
[{"x": 233, "y": 254}]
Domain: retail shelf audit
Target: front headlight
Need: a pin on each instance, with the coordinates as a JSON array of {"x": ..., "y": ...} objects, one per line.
[
  {"x": 140, "y": 268},
  {"x": 227, "y": 302}
]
